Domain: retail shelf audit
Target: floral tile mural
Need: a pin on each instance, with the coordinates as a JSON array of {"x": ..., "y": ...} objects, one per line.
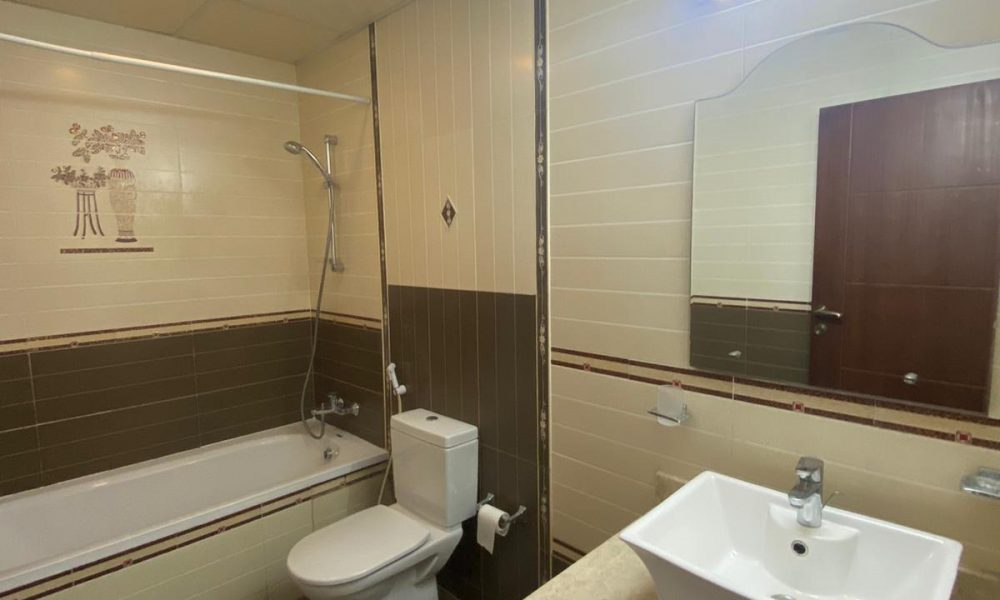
[{"x": 118, "y": 181}]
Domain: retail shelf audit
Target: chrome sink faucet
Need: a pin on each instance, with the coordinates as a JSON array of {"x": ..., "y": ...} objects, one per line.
[{"x": 807, "y": 495}]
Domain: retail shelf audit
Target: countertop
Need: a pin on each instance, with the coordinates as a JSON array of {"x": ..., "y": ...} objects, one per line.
[{"x": 610, "y": 572}]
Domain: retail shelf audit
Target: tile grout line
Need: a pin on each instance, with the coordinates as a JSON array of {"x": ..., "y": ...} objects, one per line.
[{"x": 34, "y": 407}]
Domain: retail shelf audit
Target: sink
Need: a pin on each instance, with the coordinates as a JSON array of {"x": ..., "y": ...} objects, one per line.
[{"x": 719, "y": 538}]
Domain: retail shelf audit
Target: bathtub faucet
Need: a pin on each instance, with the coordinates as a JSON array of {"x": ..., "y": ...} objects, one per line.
[{"x": 336, "y": 406}]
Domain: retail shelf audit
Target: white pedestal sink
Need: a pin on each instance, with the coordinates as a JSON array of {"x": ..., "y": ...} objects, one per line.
[{"x": 719, "y": 538}]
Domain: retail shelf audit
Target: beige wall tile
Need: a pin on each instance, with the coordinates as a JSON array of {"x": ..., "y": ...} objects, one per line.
[
  {"x": 564, "y": 12},
  {"x": 657, "y": 203},
  {"x": 628, "y": 240},
  {"x": 344, "y": 66},
  {"x": 620, "y": 113},
  {"x": 592, "y": 509},
  {"x": 658, "y": 275},
  {"x": 661, "y": 311},
  {"x": 459, "y": 124},
  {"x": 642, "y": 343},
  {"x": 574, "y": 473},
  {"x": 578, "y": 533},
  {"x": 216, "y": 192}
]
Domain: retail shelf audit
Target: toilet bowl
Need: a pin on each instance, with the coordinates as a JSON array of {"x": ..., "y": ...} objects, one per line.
[
  {"x": 383, "y": 552},
  {"x": 395, "y": 552}
]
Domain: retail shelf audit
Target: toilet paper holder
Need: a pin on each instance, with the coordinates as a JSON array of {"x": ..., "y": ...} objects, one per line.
[{"x": 505, "y": 522}]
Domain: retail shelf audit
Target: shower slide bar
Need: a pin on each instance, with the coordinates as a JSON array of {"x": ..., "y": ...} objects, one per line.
[{"x": 152, "y": 64}]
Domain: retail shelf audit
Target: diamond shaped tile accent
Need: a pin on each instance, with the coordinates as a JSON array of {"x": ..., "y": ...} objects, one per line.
[{"x": 448, "y": 212}]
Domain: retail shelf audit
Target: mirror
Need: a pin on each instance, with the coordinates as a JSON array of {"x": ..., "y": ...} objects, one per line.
[{"x": 846, "y": 220}]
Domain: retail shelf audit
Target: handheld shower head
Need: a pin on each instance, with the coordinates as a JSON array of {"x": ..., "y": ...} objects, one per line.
[{"x": 293, "y": 147}]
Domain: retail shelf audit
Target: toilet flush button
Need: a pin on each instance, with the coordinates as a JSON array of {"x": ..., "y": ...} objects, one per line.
[{"x": 432, "y": 418}]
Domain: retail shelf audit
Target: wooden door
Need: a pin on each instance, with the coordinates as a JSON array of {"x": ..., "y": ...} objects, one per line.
[{"x": 907, "y": 245}]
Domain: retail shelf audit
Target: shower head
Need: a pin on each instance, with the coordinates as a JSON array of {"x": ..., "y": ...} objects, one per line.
[{"x": 293, "y": 147}]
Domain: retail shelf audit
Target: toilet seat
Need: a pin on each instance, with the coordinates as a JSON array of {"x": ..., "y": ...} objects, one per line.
[{"x": 355, "y": 547}]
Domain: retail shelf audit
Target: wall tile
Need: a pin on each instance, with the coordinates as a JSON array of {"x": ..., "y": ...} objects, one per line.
[
  {"x": 349, "y": 362},
  {"x": 214, "y": 142},
  {"x": 96, "y": 407},
  {"x": 454, "y": 113},
  {"x": 620, "y": 205},
  {"x": 486, "y": 376}
]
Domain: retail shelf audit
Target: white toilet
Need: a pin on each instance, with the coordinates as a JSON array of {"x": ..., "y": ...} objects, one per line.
[{"x": 395, "y": 552}]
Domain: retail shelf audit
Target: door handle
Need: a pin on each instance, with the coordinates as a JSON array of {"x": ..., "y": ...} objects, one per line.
[{"x": 828, "y": 315}]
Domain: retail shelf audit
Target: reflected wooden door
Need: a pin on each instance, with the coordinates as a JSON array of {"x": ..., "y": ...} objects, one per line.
[{"x": 907, "y": 246}]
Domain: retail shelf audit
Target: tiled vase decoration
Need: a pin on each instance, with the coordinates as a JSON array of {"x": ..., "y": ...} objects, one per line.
[{"x": 121, "y": 182}]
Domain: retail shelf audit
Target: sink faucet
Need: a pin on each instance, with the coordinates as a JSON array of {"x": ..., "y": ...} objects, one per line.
[{"x": 807, "y": 495}]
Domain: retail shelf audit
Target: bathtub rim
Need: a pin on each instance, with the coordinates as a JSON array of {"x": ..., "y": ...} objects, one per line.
[{"x": 33, "y": 574}]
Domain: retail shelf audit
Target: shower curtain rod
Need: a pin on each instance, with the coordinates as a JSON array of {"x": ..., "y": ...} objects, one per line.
[{"x": 152, "y": 64}]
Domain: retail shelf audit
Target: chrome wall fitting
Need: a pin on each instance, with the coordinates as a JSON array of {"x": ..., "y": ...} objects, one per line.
[
  {"x": 678, "y": 418},
  {"x": 506, "y": 520},
  {"x": 985, "y": 483}
]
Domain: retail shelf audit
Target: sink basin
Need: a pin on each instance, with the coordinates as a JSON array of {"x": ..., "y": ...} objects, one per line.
[{"x": 719, "y": 538}]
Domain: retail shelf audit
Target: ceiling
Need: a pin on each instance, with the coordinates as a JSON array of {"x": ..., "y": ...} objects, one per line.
[{"x": 285, "y": 30}]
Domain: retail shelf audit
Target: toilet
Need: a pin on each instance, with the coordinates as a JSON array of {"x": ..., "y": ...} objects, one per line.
[{"x": 395, "y": 552}]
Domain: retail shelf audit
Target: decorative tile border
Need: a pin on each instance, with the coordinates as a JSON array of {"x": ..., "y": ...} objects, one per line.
[
  {"x": 105, "y": 250},
  {"x": 84, "y": 573},
  {"x": 542, "y": 287},
  {"x": 346, "y": 319},
  {"x": 387, "y": 391},
  {"x": 975, "y": 430},
  {"x": 757, "y": 303},
  {"x": 86, "y": 338}
]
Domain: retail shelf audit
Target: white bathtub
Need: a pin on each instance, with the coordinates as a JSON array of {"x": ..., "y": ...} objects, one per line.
[{"x": 55, "y": 529}]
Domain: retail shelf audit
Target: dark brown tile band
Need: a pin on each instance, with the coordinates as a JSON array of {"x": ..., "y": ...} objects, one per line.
[
  {"x": 71, "y": 411},
  {"x": 349, "y": 362},
  {"x": 472, "y": 355},
  {"x": 989, "y": 444}
]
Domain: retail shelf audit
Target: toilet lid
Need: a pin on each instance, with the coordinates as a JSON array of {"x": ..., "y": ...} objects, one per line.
[{"x": 355, "y": 547}]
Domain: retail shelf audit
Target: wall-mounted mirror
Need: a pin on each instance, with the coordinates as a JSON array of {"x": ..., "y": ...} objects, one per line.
[{"x": 846, "y": 220}]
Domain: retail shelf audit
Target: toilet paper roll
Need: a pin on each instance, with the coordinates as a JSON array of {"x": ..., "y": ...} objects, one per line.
[{"x": 488, "y": 526}]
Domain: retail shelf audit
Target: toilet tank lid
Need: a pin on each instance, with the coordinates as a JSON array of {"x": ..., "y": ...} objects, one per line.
[{"x": 434, "y": 428}]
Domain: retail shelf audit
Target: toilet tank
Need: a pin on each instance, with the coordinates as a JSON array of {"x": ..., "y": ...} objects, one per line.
[{"x": 435, "y": 466}]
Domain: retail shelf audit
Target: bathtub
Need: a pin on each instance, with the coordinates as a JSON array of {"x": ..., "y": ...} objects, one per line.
[{"x": 62, "y": 528}]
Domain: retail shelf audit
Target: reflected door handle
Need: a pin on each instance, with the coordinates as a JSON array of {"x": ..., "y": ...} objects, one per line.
[
  {"x": 911, "y": 378},
  {"x": 827, "y": 315}
]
